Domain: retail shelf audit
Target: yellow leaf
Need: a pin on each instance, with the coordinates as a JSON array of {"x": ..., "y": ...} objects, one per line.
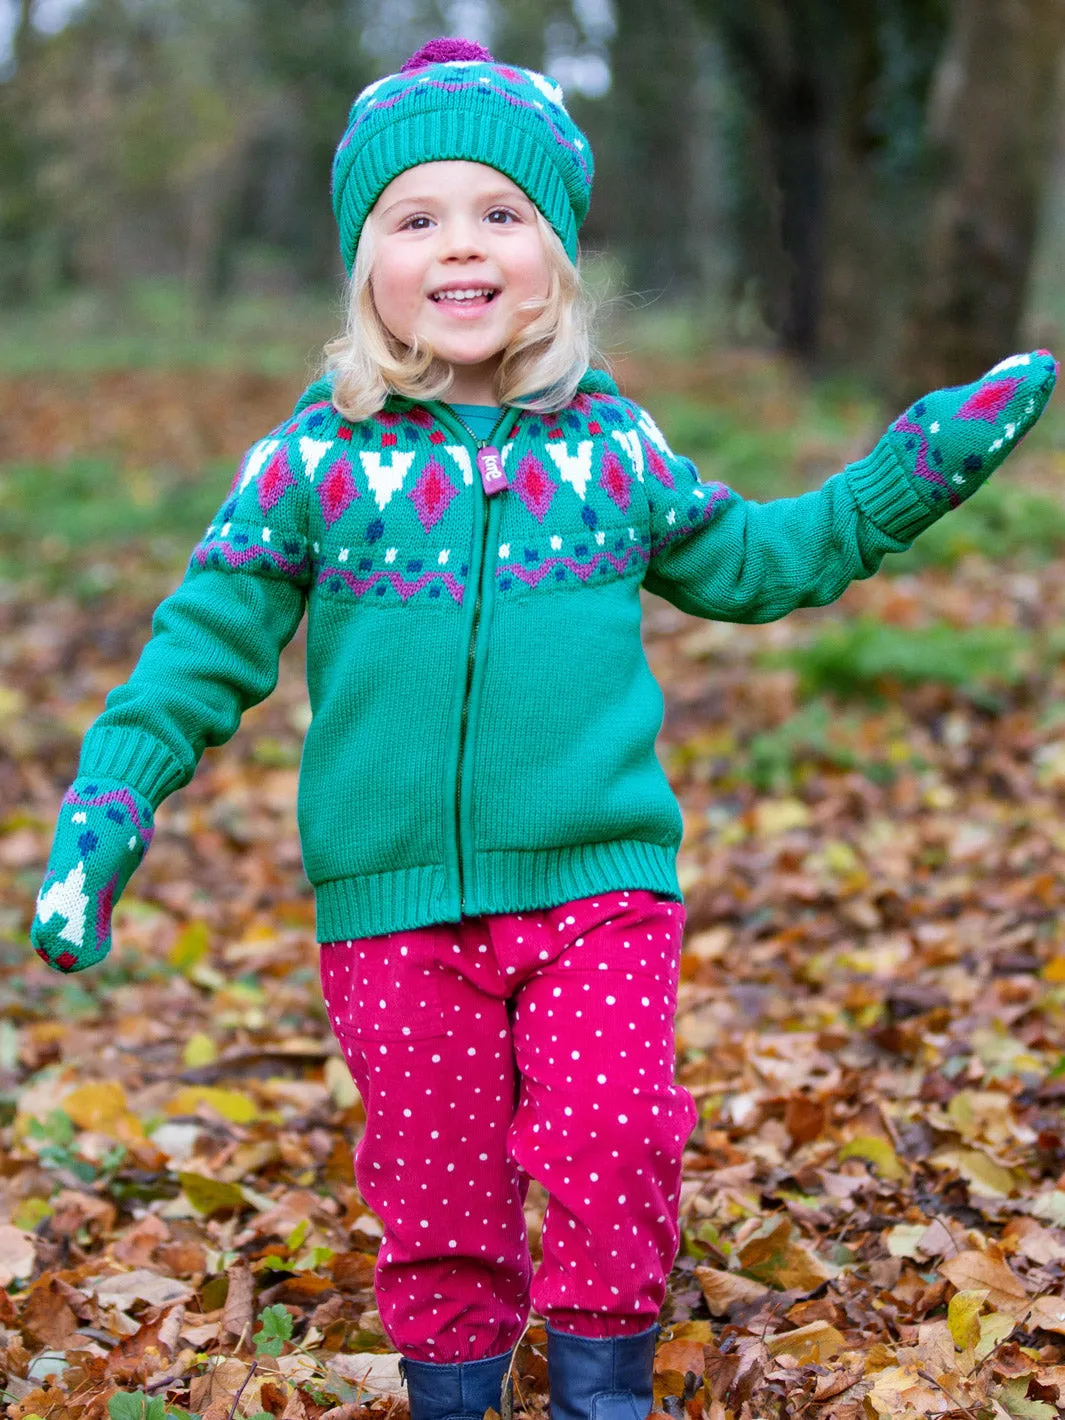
[
  {"x": 904, "y": 1239},
  {"x": 840, "y": 858},
  {"x": 210, "y": 1195},
  {"x": 12, "y": 703},
  {"x": 900, "y": 1390},
  {"x": 811, "y": 1345},
  {"x": 96, "y": 1105},
  {"x": 963, "y": 1316},
  {"x": 189, "y": 948},
  {"x": 230, "y": 1104},
  {"x": 200, "y": 1050},
  {"x": 101, "y": 1106},
  {"x": 878, "y": 1151},
  {"x": 774, "y": 816},
  {"x": 983, "y": 1174},
  {"x": 994, "y": 1329},
  {"x": 339, "y": 1083},
  {"x": 1054, "y": 971}
]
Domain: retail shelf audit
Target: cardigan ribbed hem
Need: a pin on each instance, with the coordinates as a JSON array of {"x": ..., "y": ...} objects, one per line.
[
  {"x": 133, "y": 758},
  {"x": 509, "y": 880},
  {"x": 886, "y": 495}
]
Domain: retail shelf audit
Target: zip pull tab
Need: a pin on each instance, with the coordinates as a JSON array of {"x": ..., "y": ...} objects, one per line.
[{"x": 490, "y": 466}]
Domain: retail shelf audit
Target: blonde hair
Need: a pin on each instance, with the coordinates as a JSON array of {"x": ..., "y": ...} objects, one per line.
[{"x": 540, "y": 369}]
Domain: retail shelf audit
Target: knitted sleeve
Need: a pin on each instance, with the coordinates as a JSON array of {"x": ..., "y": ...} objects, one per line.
[
  {"x": 216, "y": 640},
  {"x": 717, "y": 555},
  {"x": 714, "y": 554}
]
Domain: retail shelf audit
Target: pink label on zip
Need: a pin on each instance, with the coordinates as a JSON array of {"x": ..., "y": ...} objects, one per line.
[{"x": 490, "y": 463}]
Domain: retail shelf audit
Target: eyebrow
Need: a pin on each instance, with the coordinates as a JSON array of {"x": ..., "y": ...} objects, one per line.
[{"x": 502, "y": 195}]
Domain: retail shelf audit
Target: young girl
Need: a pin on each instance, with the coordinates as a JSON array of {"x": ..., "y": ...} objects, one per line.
[{"x": 490, "y": 838}]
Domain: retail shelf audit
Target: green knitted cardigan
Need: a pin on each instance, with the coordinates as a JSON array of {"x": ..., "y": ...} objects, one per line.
[{"x": 483, "y": 716}]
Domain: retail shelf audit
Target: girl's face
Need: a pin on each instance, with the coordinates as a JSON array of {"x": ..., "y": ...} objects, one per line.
[{"x": 456, "y": 253}]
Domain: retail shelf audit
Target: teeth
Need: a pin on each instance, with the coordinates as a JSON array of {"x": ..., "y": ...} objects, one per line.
[{"x": 471, "y": 295}]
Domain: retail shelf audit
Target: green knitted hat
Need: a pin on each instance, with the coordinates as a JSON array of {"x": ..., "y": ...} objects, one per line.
[{"x": 450, "y": 101}]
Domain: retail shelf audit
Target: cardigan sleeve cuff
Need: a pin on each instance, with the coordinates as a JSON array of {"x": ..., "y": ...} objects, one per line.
[
  {"x": 885, "y": 494},
  {"x": 133, "y": 758}
]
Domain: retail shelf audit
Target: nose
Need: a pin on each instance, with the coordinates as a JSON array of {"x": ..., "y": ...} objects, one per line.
[{"x": 463, "y": 240}]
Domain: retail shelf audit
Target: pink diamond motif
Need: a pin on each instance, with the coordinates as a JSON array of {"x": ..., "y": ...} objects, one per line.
[
  {"x": 989, "y": 400},
  {"x": 432, "y": 494},
  {"x": 336, "y": 491},
  {"x": 657, "y": 464},
  {"x": 615, "y": 482},
  {"x": 275, "y": 478},
  {"x": 533, "y": 486}
]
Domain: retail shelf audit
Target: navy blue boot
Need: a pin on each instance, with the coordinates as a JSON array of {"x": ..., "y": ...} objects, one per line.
[
  {"x": 608, "y": 1378},
  {"x": 463, "y": 1390}
]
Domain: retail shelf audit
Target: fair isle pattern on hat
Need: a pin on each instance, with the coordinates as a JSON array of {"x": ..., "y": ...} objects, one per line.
[{"x": 452, "y": 101}]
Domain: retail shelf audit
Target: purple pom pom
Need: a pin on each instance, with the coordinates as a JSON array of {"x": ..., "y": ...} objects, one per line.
[{"x": 447, "y": 51}]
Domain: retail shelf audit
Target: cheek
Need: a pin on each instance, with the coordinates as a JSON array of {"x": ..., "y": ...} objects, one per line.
[
  {"x": 396, "y": 293},
  {"x": 538, "y": 274}
]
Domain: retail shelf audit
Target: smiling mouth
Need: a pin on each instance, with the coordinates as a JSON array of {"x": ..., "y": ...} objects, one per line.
[{"x": 466, "y": 294}]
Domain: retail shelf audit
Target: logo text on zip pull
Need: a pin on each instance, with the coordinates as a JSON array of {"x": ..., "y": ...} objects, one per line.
[{"x": 490, "y": 464}]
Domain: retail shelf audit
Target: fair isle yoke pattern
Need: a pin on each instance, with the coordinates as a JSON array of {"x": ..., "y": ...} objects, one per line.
[
  {"x": 374, "y": 510},
  {"x": 485, "y": 742}
]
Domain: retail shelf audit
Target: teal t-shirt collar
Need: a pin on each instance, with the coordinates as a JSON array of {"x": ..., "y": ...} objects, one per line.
[{"x": 592, "y": 382}]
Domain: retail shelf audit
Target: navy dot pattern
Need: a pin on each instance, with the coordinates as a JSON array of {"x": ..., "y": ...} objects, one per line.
[{"x": 504, "y": 1048}]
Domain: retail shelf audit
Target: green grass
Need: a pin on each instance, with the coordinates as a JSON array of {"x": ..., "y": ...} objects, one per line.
[
  {"x": 866, "y": 659},
  {"x": 67, "y": 527},
  {"x": 1001, "y": 521},
  {"x": 149, "y": 325}
]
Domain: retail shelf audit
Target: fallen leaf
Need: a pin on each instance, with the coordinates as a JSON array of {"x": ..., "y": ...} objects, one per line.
[
  {"x": 963, "y": 1317},
  {"x": 725, "y": 1291},
  {"x": 772, "y": 1255},
  {"x": 125, "y": 1288},
  {"x": 210, "y": 1195},
  {"x": 233, "y": 1105},
  {"x": 682, "y": 1356},
  {"x": 238, "y": 1316},
  {"x": 18, "y": 1254},
  {"x": 376, "y": 1374},
  {"x": 988, "y": 1270},
  {"x": 811, "y": 1345},
  {"x": 983, "y": 1174},
  {"x": 876, "y": 1150},
  {"x": 1048, "y": 1313}
]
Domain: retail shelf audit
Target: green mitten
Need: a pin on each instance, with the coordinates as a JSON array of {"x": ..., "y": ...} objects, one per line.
[
  {"x": 103, "y": 832},
  {"x": 950, "y": 441}
]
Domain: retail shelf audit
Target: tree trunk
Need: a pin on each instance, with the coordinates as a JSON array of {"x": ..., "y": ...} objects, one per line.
[
  {"x": 990, "y": 125},
  {"x": 647, "y": 160}
]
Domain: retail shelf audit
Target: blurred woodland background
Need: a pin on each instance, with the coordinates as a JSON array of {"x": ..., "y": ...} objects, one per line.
[
  {"x": 872, "y": 185},
  {"x": 805, "y": 211}
]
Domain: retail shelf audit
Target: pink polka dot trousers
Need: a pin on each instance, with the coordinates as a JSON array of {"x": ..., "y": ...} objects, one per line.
[{"x": 499, "y": 1049}]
